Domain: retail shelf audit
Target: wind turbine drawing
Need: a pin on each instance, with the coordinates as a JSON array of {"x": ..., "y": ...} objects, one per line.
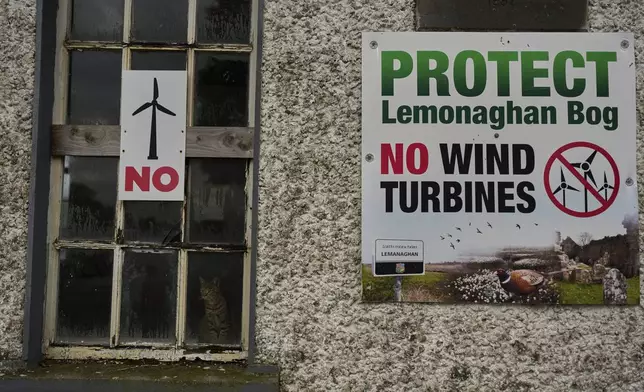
[
  {"x": 605, "y": 187},
  {"x": 153, "y": 127},
  {"x": 563, "y": 186},
  {"x": 588, "y": 175}
]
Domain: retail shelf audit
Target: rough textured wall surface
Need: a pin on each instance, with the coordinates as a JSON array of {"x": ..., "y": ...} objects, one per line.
[
  {"x": 310, "y": 319},
  {"x": 17, "y": 45}
]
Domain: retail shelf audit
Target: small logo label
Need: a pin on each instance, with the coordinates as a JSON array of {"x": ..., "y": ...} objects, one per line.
[{"x": 400, "y": 268}]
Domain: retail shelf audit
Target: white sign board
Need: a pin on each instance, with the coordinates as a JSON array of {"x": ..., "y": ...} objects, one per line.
[
  {"x": 399, "y": 257},
  {"x": 153, "y": 135},
  {"x": 494, "y": 148}
]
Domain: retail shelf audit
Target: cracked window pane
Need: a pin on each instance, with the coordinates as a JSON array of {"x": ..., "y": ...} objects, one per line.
[
  {"x": 163, "y": 21},
  {"x": 84, "y": 296},
  {"x": 94, "y": 87},
  {"x": 221, "y": 88},
  {"x": 97, "y": 20},
  {"x": 153, "y": 221},
  {"x": 158, "y": 60},
  {"x": 149, "y": 297},
  {"x": 88, "y": 204},
  {"x": 217, "y": 201},
  {"x": 214, "y": 298},
  {"x": 223, "y": 21}
]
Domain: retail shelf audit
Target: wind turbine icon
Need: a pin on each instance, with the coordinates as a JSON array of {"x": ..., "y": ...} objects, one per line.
[
  {"x": 563, "y": 186},
  {"x": 588, "y": 175},
  {"x": 605, "y": 187},
  {"x": 153, "y": 127}
]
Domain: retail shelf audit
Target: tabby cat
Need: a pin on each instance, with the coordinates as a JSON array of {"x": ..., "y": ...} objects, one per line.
[{"x": 215, "y": 324}]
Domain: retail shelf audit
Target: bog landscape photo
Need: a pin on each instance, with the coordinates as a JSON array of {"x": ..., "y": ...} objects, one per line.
[{"x": 577, "y": 268}]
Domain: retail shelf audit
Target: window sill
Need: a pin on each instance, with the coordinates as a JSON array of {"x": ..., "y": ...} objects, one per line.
[{"x": 140, "y": 376}]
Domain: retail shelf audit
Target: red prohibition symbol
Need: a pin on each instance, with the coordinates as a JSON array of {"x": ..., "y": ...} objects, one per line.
[{"x": 582, "y": 172}]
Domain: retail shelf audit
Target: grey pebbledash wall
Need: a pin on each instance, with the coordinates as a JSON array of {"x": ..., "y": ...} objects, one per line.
[
  {"x": 309, "y": 317},
  {"x": 17, "y": 46}
]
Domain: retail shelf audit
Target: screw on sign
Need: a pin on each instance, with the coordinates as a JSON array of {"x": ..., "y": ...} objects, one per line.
[{"x": 605, "y": 193}]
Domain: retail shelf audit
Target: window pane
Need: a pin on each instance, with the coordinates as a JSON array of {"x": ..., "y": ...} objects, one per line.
[
  {"x": 223, "y": 21},
  {"x": 160, "y": 20},
  {"x": 84, "y": 296},
  {"x": 153, "y": 221},
  {"x": 149, "y": 297},
  {"x": 88, "y": 202},
  {"x": 217, "y": 201},
  {"x": 214, "y": 298},
  {"x": 94, "y": 87},
  {"x": 160, "y": 60},
  {"x": 221, "y": 90},
  {"x": 97, "y": 20}
]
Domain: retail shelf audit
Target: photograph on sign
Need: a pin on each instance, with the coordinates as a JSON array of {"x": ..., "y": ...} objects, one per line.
[
  {"x": 153, "y": 135},
  {"x": 499, "y": 168}
]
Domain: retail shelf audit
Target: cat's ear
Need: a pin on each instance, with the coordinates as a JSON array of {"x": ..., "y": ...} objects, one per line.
[{"x": 202, "y": 281}]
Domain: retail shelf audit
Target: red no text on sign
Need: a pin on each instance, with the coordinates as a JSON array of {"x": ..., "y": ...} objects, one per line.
[{"x": 413, "y": 158}]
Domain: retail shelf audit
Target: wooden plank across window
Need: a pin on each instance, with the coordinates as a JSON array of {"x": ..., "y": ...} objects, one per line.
[{"x": 104, "y": 140}]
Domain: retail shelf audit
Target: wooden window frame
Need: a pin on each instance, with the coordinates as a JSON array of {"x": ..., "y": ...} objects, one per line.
[{"x": 102, "y": 140}]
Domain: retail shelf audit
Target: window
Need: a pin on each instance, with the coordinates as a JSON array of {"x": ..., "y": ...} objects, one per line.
[{"x": 171, "y": 279}]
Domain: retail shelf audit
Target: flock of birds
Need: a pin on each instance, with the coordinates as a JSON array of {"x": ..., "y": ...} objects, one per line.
[{"x": 478, "y": 231}]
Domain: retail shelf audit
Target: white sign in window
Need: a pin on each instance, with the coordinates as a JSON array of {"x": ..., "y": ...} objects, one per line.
[{"x": 153, "y": 135}]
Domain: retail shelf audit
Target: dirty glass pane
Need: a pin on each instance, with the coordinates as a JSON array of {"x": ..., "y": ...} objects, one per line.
[
  {"x": 84, "y": 296},
  {"x": 153, "y": 221},
  {"x": 223, "y": 21},
  {"x": 217, "y": 201},
  {"x": 221, "y": 84},
  {"x": 149, "y": 297},
  {"x": 214, "y": 298},
  {"x": 158, "y": 60},
  {"x": 94, "y": 87},
  {"x": 160, "y": 21},
  {"x": 88, "y": 200},
  {"x": 97, "y": 20}
]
